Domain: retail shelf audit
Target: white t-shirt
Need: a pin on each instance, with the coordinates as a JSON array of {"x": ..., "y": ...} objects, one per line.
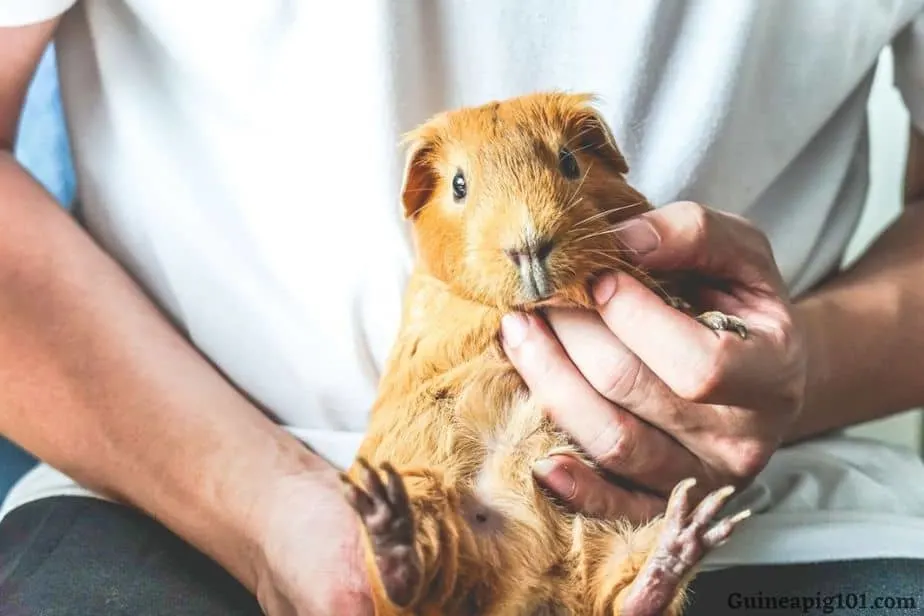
[{"x": 241, "y": 160}]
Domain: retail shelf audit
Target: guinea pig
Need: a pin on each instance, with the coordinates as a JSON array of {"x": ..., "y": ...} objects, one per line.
[{"x": 512, "y": 206}]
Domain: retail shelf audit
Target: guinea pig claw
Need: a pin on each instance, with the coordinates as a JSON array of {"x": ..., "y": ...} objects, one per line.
[
  {"x": 679, "y": 303},
  {"x": 718, "y": 321},
  {"x": 386, "y": 513}
]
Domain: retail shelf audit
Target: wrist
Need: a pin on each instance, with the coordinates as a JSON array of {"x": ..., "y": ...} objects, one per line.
[
  {"x": 303, "y": 508},
  {"x": 254, "y": 491},
  {"x": 810, "y": 318},
  {"x": 859, "y": 366},
  {"x": 302, "y": 491}
]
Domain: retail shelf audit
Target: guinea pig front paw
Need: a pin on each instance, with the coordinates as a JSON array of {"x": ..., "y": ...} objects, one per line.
[
  {"x": 385, "y": 510},
  {"x": 718, "y": 321}
]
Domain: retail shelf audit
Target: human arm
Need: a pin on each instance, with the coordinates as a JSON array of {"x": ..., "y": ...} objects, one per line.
[
  {"x": 96, "y": 381},
  {"x": 865, "y": 341}
]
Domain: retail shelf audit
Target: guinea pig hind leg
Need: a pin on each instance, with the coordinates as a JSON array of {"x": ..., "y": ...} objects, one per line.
[
  {"x": 684, "y": 537},
  {"x": 385, "y": 510},
  {"x": 399, "y": 547}
]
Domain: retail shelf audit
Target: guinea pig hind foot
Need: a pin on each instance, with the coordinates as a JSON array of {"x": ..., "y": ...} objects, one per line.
[
  {"x": 385, "y": 510},
  {"x": 686, "y": 536}
]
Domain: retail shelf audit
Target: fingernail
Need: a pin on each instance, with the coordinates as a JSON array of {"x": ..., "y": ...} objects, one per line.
[
  {"x": 604, "y": 289},
  {"x": 514, "y": 327},
  {"x": 555, "y": 477},
  {"x": 638, "y": 235}
]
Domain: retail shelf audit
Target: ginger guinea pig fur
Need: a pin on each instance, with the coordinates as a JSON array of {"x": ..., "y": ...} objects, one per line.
[
  {"x": 511, "y": 201},
  {"x": 512, "y": 205}
]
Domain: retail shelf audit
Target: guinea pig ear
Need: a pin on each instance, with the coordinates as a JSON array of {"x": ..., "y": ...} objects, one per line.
[
  {"x": 419, "y": 177},
  {"x": 593, "y": 135}
]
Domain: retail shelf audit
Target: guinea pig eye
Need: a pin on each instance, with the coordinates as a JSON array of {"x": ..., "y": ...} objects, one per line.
[
  {"x": 458, "y": 186},
  {"x": 568, "y": 164}
]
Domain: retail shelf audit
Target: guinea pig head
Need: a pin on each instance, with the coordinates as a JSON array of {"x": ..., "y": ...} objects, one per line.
[{"x": 513, "y": 203}]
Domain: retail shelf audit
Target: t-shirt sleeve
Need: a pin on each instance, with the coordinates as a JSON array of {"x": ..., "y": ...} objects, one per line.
[
  {"x": 908, "y": 50},
  {"x": 24, "y": 12}
]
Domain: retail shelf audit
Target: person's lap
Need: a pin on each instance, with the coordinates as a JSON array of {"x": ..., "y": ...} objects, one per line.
[{"x": 69, "y": 556}]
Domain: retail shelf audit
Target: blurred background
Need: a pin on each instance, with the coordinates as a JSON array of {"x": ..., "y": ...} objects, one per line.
[{"x": 43, "y": 148}]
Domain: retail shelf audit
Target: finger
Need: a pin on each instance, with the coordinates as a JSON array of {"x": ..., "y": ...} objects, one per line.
[
  {"x": 688, "y": 236},
  {"x": 703, "y": 440},
  {"x": 697, "y": 363},
  {"x": 619, "y": 441},
  {"x": 583, "y": 490},
  {"x": 613, "y": 370}
]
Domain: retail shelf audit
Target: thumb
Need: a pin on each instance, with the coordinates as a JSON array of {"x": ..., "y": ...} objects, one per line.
[
  {"x": 688, "y": 236},
  {"x": 582, "y": 490}
]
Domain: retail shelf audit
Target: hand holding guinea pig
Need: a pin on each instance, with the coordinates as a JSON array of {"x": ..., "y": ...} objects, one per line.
[{"x": 651, "y": 394}]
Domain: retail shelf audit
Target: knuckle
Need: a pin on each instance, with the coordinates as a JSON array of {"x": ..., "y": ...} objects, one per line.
[
  {"x": 744, "y": 226},
  {"x": 622, "y": 378},
  {"x": 783, "y": 335},
  {"x": 792, "y": 397},
  {"x": 615, "y": 447},
  {"x": 750, "y": 236},
  {"x": 699, "y": 218},
  {"x": 760, "y": 250},
  {"x": 762, "y": 243},
  {"x": 755, "y": 242},
  {"x": 701, "y": 383},
  {"x": 750, "y": 458}
]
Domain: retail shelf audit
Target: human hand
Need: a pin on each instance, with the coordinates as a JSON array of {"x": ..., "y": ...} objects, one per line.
[
  {"x": 651, "y": 394},
  {"x": 311, "y": 554}
]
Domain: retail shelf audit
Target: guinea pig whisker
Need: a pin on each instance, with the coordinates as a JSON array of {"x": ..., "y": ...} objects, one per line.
[
  {"x": 573, "y": 204},
  {"x": 584, "y": 147},
  {"x": 610, "y": 258},
  {"x": 575, "y": 199},
  {"x": 596, "y": 234},
  {"x": 579, "y": 135},
  {"x": 614, "y": 261},
  {"x": 613, "y": 252},
  {"x": 598, "y": 215},
  {"x": 425, "y": 206}
]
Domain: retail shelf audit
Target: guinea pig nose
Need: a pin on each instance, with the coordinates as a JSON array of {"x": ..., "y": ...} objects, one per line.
[
  {"x": 542, "y": 249},
  {"x": 516, "y": 255},
  {"x": 531, "y": 262},
  {"x": 531, "y": 251}
]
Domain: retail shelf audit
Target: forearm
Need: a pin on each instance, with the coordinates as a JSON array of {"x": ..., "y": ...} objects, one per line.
[
  {"x": 864, "y": 334},
  {"x": 94, "y": 380}
]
